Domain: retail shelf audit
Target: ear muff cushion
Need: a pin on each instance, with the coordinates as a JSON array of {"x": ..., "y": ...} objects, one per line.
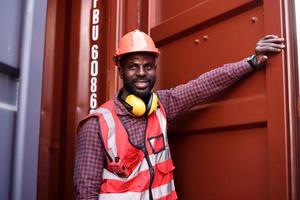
[
  {"x": 138, "y": 106},
  {"x": 152, "y": 104}
]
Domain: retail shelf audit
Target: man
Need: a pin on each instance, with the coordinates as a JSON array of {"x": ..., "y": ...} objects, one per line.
[{"x": 122, "y": 151}]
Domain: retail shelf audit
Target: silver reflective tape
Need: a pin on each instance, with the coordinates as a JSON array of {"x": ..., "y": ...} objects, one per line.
[
  {"x": 158, "y": 192},
  {"x": 163, "y": 125},
  {"x": 154, "y": 158},
  {"x": 125, "y": 196},
  {"x": 112, "y": 147},
  {"x": 163, "y": 190}
]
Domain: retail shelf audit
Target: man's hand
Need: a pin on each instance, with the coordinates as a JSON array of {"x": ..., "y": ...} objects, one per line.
[{"x": 265, "y": 46}]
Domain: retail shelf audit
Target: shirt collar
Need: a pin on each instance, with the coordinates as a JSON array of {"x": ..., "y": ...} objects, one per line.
[{"x": 119, "y": 107}]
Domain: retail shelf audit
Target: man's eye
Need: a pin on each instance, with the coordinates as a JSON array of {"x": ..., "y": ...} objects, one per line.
[
  {"x": 149, "y": 67},
  {"x": 131, "y": 67}
]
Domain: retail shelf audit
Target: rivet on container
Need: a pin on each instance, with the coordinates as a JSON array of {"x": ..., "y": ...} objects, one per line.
[
  {"x": 205, "y": 37},
  {"x": 254, "y": 19},
  {"x": 196, "y": 41}
]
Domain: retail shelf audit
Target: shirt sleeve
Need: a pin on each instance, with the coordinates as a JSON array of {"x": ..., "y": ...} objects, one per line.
[
  {"x": 89, "y": 160},
  {"x": 183, "y": 97}
]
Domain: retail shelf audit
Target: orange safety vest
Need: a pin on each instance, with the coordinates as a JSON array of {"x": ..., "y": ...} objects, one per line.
[{"x": 135, "y": 173}]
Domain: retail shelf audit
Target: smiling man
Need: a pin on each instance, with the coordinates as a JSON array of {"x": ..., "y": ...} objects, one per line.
[
  {"x": 138, "y": 72},
  {"x": 122, "y": 151}
]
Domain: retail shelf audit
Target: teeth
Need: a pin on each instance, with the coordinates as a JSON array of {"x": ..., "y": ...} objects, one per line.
[{"x": 141, "y": 84}]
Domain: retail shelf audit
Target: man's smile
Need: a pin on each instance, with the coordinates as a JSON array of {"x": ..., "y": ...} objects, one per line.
[{"x": 141, "y": 84}]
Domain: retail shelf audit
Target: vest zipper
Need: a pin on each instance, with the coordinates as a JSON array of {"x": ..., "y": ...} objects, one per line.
[{"x": 151, "y": 170}]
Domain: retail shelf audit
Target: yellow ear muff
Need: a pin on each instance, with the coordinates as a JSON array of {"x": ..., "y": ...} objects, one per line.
[{"x": 138, "y": 106}]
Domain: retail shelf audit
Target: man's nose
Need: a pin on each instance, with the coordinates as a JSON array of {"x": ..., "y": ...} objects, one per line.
[{"x": 141, "y": 71}]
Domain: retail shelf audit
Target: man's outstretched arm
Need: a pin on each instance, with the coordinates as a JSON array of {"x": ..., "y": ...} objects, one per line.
[{"x": 183, "y": 97}]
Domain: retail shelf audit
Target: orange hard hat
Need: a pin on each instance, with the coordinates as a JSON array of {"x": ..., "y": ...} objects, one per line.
[{"x": 135, "y": 41}]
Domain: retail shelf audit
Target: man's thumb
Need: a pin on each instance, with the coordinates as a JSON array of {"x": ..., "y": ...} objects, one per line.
[{"x": 262, "y": 60}]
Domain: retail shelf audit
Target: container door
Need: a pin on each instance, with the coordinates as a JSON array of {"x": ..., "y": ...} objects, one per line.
[{"x": 236, "y": 147}]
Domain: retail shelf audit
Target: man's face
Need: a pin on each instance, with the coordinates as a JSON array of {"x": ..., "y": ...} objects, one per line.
[{"x": 138, "y": 71}]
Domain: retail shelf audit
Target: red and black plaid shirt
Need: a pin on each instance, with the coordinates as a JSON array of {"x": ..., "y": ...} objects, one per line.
[{"x": 89, "y": 152}]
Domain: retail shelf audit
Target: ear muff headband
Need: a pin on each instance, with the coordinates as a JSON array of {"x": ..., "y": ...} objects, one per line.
[
  {"x": 152, "y": 104},
  {"x": 138, "y": 107}
]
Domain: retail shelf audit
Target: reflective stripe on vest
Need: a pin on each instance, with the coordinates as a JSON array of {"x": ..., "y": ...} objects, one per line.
[
  {"x": 112, "y": 148},
  {"x": 158, "y": 193},
  {"x": 163, "y": 123},
  {"x": 135, "y": 185}
]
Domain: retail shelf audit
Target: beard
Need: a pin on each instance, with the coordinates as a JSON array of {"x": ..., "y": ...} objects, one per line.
[{"x": 144, "y": 93}]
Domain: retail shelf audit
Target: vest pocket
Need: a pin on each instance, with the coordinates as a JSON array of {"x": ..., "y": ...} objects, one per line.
[
  {"x": 164, "y": 172},
  {"x": 157, "y": 143},
  {"x": 166, "y": 167},
  {"x": 132, "y": 158}
]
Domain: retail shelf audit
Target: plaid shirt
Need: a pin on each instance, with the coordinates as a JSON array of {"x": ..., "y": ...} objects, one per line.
[{"x": 90, "y": 158}]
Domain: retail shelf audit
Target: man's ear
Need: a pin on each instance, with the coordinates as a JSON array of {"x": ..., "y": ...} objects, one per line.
[{"x": 121, "y": 74}]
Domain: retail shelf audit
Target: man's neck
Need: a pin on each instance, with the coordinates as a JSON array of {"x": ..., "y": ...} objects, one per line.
[{"x": 125, "y": 93}]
